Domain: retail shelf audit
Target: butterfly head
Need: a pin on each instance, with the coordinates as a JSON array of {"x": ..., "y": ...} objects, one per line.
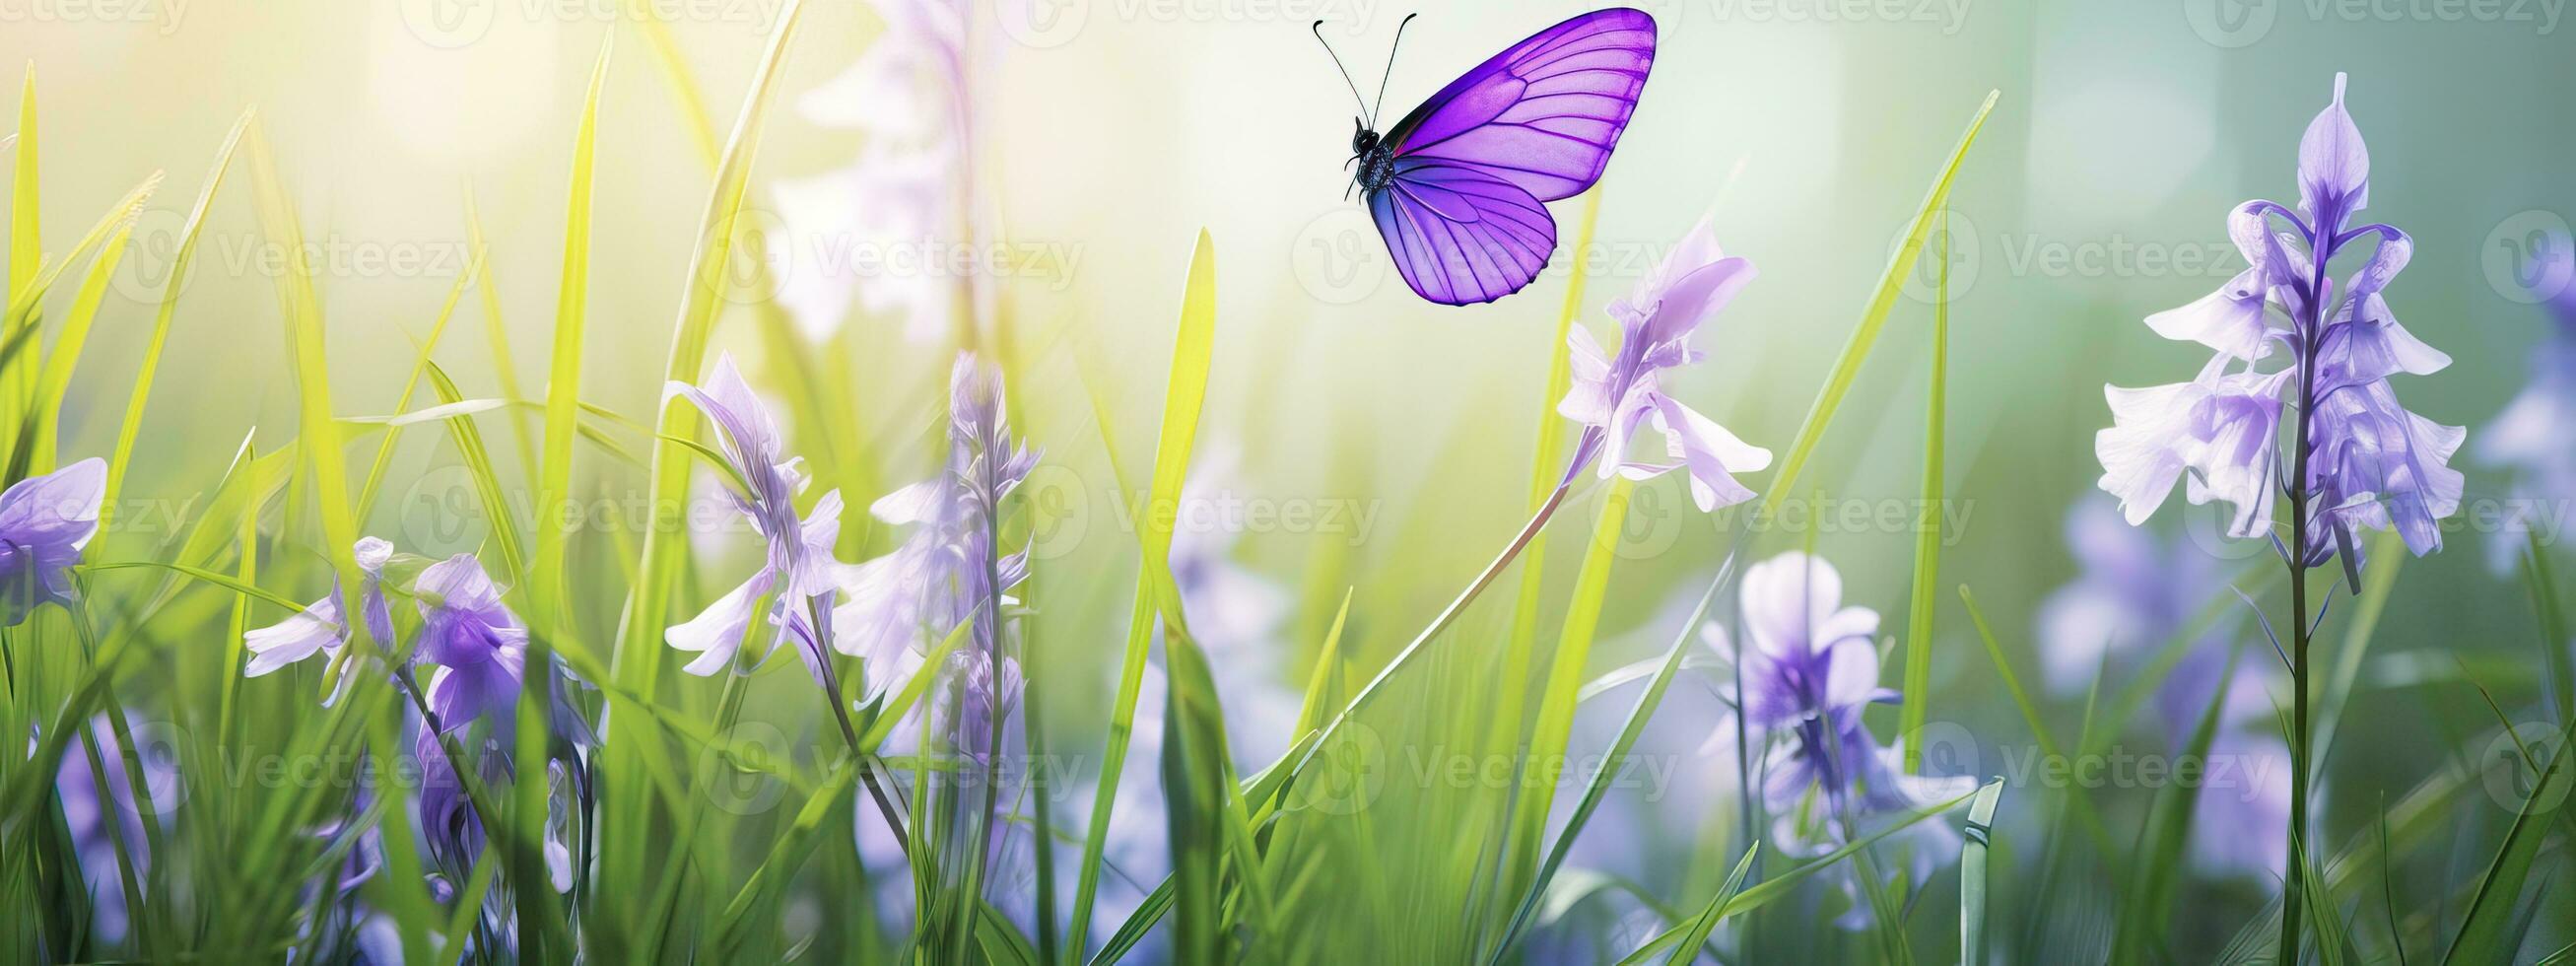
[{"x": 1363, "y": 140}]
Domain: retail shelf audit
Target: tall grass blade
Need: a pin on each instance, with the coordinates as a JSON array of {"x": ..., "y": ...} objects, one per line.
[
  {"x": 1891, "y": 284},
  {"x": 1927, "y": 541},
  {"x": 180, "y": 259},
  {"x": 1193, "y": 348}
]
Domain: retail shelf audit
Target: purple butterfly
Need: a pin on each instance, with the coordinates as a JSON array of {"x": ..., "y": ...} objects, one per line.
[{"x": 1456, "y": 186}]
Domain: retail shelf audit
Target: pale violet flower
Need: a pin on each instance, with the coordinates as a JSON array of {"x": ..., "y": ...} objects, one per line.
[
  {"x": 45, "y": 523},
  {"x": 1613, "y": 394},
  {"x": 799, "y": 576},
  {"x": 1810, "y": 668},
  {"x": 319, "y": 628},
  {"x": 949, "y": 570},
  {"x": 2370, "y": 463}
]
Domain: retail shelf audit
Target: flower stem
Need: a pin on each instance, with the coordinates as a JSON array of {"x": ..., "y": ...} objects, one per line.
[
  {"x": 2292, "y": 886},
  {"x": 1584, "y": 449}
]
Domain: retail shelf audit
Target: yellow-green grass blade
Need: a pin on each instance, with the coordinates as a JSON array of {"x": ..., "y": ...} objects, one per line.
[
  {"x": 172, "y": 283},
  {"x": 1511, "y": 691},
  {"x": 544, "y": 583},
  {"x": 563, "y": 377},
  {"x": 318, "y": 432},
  {"x": 1555, "y": 721},
  {"x": 1545, "y": 470},
  {"x": 1598, "y": 784},
  {"x": 507, "y": 547},
  {"x": 1891, "y": 284},
  {"x": 393, "y": 425},
  {"x": 1193, "y": 348},
  {"x": 496, "y": 329},
  {"x": 1927, "y": 540},
  {"x": 38, "y": 436},
  {"x": 2489, "y": 933},
  {"x": 22, "y": 326},
  {"x": 640, "y": 650}
]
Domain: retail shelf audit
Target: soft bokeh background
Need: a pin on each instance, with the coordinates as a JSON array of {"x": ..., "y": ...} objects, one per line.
[{"x": 1117, "y": 129}]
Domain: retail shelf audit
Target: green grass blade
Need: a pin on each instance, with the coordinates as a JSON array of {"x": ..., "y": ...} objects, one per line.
[
  {"x": 172, "y": 283},
  {"x": 508, "y": 548},
  {"x": 2155, "y": 869},
  {"x": 2048, "y": 745},
  {"x": 1686, "y": 937},
  {"x": 1927, "y": 542},
  {"x": 38, "y": 436},
  {"x": 496, "y": 329},
  {"x": 1972, "y": 875},
  {"x": 563, "y": 377},
  {"x": 1193, "y": 348},
  {"x": 1772, "y": 889},
  {"x": 2388, "y": 552},
  {"x": 318, "y": 433},
  {"x": 1554, "y": 726},
  {"x": 1891, "y": 284}
]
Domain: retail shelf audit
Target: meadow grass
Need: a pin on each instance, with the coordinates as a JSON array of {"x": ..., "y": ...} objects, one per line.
[{"x": 729, "y": 818}]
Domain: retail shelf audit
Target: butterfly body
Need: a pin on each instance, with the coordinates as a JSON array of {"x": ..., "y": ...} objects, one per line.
[
  {"x": 1373, "y": 158},
  {"x": 1456, "y": 187}
]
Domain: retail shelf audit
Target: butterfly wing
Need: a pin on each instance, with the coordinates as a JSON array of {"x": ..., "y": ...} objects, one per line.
[
  {"x": 1544, "y": 114},
  {"x": 1460, "y": 235}
]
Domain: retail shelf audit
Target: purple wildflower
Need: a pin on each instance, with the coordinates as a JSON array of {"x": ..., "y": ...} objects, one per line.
[
  {"x": 477, "y": 645},
  {"x": 479, "y": 649},
  {"x": 948, "y": 571},
  {"x": 799, "y": 575},
  {"x": 45, "y": 522},
  {"x": 1612, "y": 394},
  {"x": 1810, "y": 671},
  {"x": 2370, "y": 463},
  {"x": 319, "y": 629}
]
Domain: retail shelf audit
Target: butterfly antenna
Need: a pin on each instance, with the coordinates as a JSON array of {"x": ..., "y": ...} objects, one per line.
[
  {"x": 1390, "y": 66},
  {"x": 1337, "y": 64}
]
